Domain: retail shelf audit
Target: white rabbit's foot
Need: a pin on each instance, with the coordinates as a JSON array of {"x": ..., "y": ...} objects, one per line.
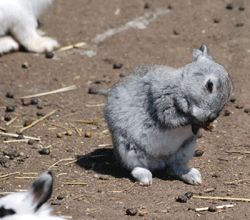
[
  {"x": 192, "y": 177},
  {"x": 7, "y": 44},
  {"x": 40, "y": 44},
  {"x": 142, "y": 175}
]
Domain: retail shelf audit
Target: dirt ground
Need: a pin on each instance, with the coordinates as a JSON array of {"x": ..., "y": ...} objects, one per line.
[{"x": 75, "y": 143}]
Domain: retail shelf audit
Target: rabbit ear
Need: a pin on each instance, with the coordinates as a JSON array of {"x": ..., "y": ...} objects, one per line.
[
  {"x": 201, "y": 52},
  {"x": 41, "y": 189}
]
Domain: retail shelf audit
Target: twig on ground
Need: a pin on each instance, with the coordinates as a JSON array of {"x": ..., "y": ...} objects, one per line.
[
  {"x": 104, "y": 145},
  {"x": 8, "y": 175},
  {"x": 217, "y": 207},
  {"x": 25, "y": 177},
  {"x": 237, "y": 181},
  {"x": 238, "y": 152},
  {"x": 221, "y": 198},
  {"x": 2, "y": 129},
  {"x": 16, "y": 135},
  {"x": 37, "y": 121},
  {"x": 75, "y": 183},
  {"x": 59, "y": 161},
  {"x": 64, "y": 89},
  {"x": 17, "y": 140},
  {"x": 94, "y": 105},
  {"x": 78, "y": 131},
  {"x": 72, "y": 46}
]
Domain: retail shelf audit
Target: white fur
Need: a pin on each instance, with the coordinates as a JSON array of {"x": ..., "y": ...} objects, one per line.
[
  {"x": 18, "y": 21},
  {"x": 24, "y": 203}
]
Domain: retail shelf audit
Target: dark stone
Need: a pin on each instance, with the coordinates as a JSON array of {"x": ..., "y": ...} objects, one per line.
[
  {"x": 9, "y": 95},
  {"x": 131, "y": 211},
  {"x": 10, "y": 108}
]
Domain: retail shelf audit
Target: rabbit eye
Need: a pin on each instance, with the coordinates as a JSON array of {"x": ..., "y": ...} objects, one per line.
[{"x": 210, "y": 86}]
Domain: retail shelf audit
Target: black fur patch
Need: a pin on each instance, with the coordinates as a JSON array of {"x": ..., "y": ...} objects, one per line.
[{"x": 5, "y": 212}]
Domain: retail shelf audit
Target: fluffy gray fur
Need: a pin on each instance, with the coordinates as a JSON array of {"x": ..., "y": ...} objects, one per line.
[{"x": 155, "y": 113}]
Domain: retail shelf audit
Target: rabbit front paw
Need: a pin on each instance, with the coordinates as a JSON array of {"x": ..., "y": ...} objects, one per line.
[
  {"x": 142, "y": 175},
  {"x": 40, "y": 44},
  {"x": 7, "y": 44},
  {"x": 193, "y": 177}
]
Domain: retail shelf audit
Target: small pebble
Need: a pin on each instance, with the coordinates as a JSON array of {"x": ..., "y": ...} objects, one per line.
[
  {"x": 93, "y": 90},
  {"x": 198, "y": 153},
  {"x": 69, "y": 133},
  {"x": 27, "y": 122},
  {"x": 146, "y": 5},
  {"x": 7, "y": 117},
  {"x": 9, "y": 95},
  {"x": 10, "y": 108},
  {"x": 87, "y": 134},
  {"x": 212, "y": 209},
  {"x": 131, "y": 211},
  {"x": 44, "y": 151},
  {"x": 103, "y": 177},
  {"x": 30, "y": 142},
  {"x": 227, "y": 112},
  {"x": 182, "y": 198},
  {"x": 189, "y": 195},
  {"x": 25, "y": 65},
  {"x": 232, "y": 99},
  {"x": 170, "y": 7},
  {"x": 208, "y": 190},
  {"x": 239, "y": 106},
  {"x": 39, "y": 106},
  {"x": 60, "y": 197},
  {"x": 34, "y": 101},
  {"x": 175, "y": 32},
  {"x": 25, "y": 102},
  {"x": 216, "y": 20},
  {"x": 122, "y": 75},
  {"x": 59, "y": 135},
  {"x": 49, "y": 55},
  {"x": 215, "y": 175},
  {"x": 117, "y": 65},
  {"x": 240, "y": 24},
  {"x": 241, "y": 8},
  {"x": 247, "y": 110},
  {"x": 98, "y": 81},
  {"x": 40, "y": 114},
  {"x": 229, "y": 6}
]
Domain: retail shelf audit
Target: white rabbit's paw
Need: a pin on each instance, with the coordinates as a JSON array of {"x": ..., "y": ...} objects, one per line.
[
  {"x": 41, "y": 44},
  {"x": 192, "y": 177},
  {"x": 8, "y": 44},
  {"x": 142, "y": 175}
]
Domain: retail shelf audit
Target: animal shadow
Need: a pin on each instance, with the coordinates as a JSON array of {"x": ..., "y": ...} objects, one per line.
[{"x": 102, "y": 161}]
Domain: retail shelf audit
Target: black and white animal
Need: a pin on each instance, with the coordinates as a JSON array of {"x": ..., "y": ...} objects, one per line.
[
  {"x": 154, "y": 115},
  {"x": 19, "y": 23},
  {"x": 30, "y": 205}
]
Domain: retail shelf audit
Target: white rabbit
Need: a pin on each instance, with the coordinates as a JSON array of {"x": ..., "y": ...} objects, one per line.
[
  {"x": 19, "y": 23},
  {"x": 30, "y": 205},
  {"x": 155, "y": 113}
]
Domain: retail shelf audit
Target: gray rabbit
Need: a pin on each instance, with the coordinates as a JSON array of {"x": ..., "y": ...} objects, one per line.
[{"x": 154, "y": 115}]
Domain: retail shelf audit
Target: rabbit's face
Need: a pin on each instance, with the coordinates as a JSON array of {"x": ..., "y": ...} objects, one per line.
[{"x": 207, "y": 88}]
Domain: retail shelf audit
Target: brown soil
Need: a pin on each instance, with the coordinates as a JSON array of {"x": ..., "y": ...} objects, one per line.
[{"x": 108, "y": 191}]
